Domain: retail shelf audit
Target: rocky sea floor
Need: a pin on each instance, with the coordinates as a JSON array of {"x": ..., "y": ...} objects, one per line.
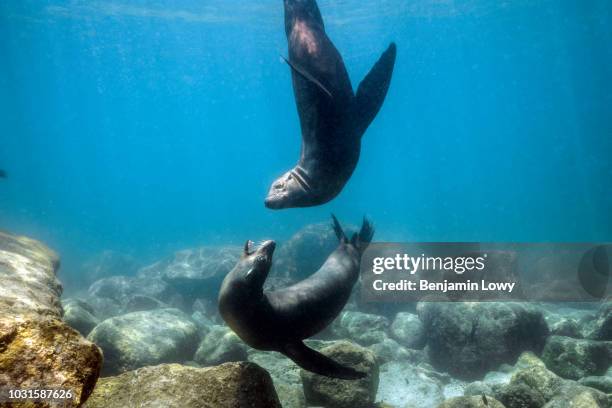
[{"x": 164, "y": 345}]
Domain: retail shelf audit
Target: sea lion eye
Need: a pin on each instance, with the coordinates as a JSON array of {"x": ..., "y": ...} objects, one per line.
[{"x": 260, "y": 258}]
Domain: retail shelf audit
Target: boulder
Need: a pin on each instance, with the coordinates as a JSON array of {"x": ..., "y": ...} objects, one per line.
[
  {"x": 305, "y": 252},
  {"x": 472, "y": 402},
  {"x": 108, "y": 263},
  {"x": 573, "y": 395},
  {"x": 408, "y": 330},
  {"x": 566, "y": 327},
  {"x": 336, "y": 393},
  {"x": 600, "y": 326},
  {"x": 576, "y": 358},
  {"x": 404, "y": 384},
  {"x": 79, "y": 315},
  {"x": 541, "y": 380},
  {"x": 231, "y": 385},
  {"x": 105, "y": 307},
  {"x": 141, "y": 303},
  {"x": 520, "y": 396},
  {"x": 365, "y": 329},
  {"x": 145, "y": 338},
  {"x": 195, "y": 272},
  {"x": 601, "y": 383},
  {"x": 469, "y": 339},
  {"x": 219, "y": 346},
  {"x": 37, "y": 348},
  {"x": 121, "y": 288},
  {"x": 389, "y": 350},
  {"x": 285, "y": 375},
  {"x": 28, "y": 275}
]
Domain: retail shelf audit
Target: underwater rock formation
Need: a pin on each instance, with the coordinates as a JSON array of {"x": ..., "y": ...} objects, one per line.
[
  {"x": 285, "y": 375},
  {"x": 195, "y": 272},
  {"x": 600, "y": 326},
  {"x": 37, "y": 349},
  {"x": 390, "y": 350},
  {"x": 469, "y": 339},
  {"x": 79, "y": 315},
  {"x": 363, "y": 328},
  {"x": 566, "y": 327},
  {"x": 520, "y": 396},
  {"x": 601, "y": 383},
  {"x": 575, "y": 358},
  {"x": 121, "y": 288},
  {"x": 219, "y": 346},
  {"x": 305, "y": 251},
  {"x": 336, "y": 393},
  {"x": 403, "y": 384},
  {"x": 572, "y": 395},
  {"x": 472, "y": 402},
  {"x": 108, "y": 263},
  {"x": 231, "y": 385},
  {"x": 408, "y": 330},
  {"x": 145, "y": 338}
]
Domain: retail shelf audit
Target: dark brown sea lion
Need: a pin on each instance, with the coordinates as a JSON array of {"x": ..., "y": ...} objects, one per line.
[
  {"x": 333, "y": 119},
  {"x": 280, "y": 320}
]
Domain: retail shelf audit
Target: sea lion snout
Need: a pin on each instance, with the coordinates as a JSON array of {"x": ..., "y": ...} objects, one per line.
[
  {"x": 292, "y": 189},
  {"x": 266, "y": 249}
]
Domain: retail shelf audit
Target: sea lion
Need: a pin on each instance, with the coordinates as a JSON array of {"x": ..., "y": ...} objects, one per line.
[
  {"x": 280, "y": 320},
  {"x": 3, "y": 174},
  {"x": 333, "y": 119}
]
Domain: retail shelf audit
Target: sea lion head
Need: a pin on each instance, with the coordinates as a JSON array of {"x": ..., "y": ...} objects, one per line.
[
  {"x": 292, "y": 189},
  {"x": 251, "y": 271}
]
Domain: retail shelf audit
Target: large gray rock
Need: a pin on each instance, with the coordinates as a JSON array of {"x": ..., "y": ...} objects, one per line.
[
  {"x": 390, "y": 350},
  {"x": 285, "y": 375},
  {"x": 573, "y": 395},
  {"x": 403, "y": 384},
  {"x": 196, "y": 272},
  {"x": 220, "y": 346},
  {"x": 28, "y": 276},
  {"x": 363, "y": 328},
  {"x": 145, "y": 338},
  {"x": 108, "y": 263},
  {"x": 408, "y": 330},
  {"x": 469, "y": 339},
  {"x": 520, "y": 396},
  {"x": 36, "y": 346},
  {"x": 79, "y": 315},
  {"x": 305, "y": 252},
  {"x": 121, "y": 288},
  {"x": 575, "y": 358},
  {"x": 601, "y": 383},
  {"x": 231, "y": 385},
  {"x": 472, "y": 402},
  {"x": 336, "y": 393},
  {"x": 600, "y": 326}
]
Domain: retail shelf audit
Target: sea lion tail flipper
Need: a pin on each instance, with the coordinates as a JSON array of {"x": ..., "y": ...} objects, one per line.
[
  {"x": 338, "y": 229},
  {"x": 365, "y": 235},
  {"x": 312, "y": 360},
  {"x": 373, "y": 89}
]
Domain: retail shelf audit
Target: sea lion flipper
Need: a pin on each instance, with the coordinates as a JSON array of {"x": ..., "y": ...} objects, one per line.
[
  {"x": 373, "y": 89},
  {"x": 301, "y": 71},
  {"x": 338, "y": 229},
  {"x": 312, "y": 360}
]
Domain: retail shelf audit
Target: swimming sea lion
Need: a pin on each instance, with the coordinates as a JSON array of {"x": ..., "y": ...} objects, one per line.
[
  {"x": 280, "y": 320},
  {"x": 333, "y": 119}
]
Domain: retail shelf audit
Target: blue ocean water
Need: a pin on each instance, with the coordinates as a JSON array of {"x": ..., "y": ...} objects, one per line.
[{"x": 149, "y": 126}]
